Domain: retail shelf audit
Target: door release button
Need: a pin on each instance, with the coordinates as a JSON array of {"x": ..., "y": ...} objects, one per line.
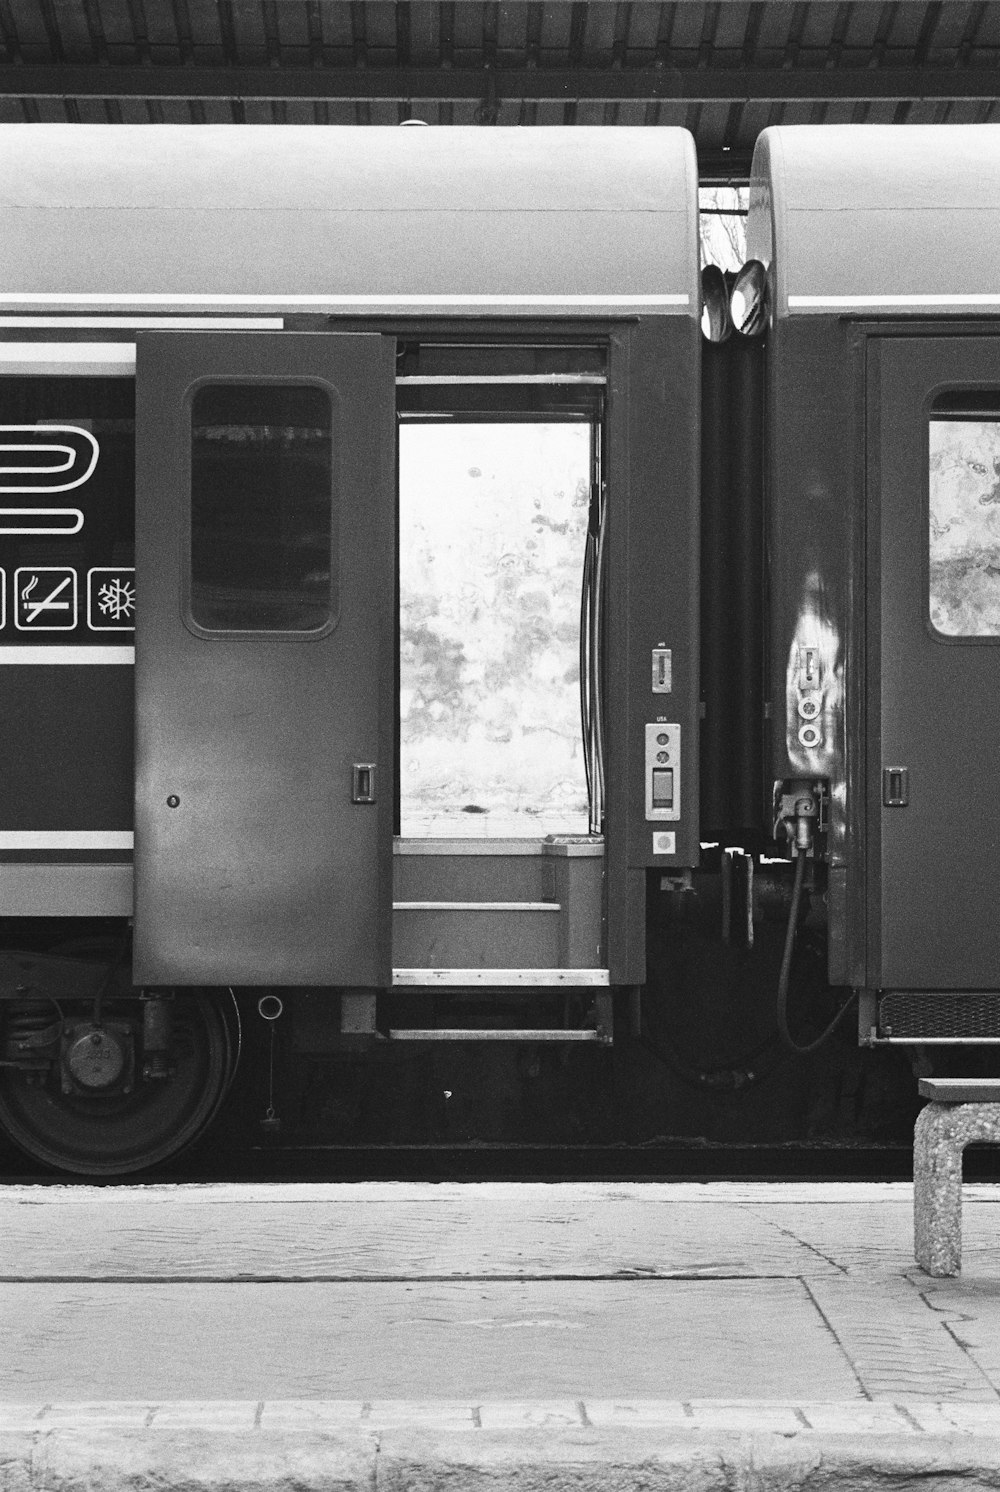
[
  {"x": 363, "y": 789},
  {"x": 895, "y": 787},
  {"x": 663, "y": 786},
  {"x": 663, "y": 773}
]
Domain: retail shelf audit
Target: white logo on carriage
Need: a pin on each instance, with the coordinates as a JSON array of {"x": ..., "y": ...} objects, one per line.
[
  {"x": 111, "y": 599},
  {"x": 45, "y": 599},
  {"x": 44, "y": 466}
]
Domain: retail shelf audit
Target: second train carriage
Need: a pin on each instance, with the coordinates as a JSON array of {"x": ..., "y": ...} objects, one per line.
[
  {"x": 882, "y": 407},
  {"x": 360, "y": 469}
]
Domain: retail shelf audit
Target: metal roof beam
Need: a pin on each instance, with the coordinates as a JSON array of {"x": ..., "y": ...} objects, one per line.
[{"x": 530, "y": 85}]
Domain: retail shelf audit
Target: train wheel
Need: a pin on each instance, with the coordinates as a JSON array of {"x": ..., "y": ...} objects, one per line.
[{"x": 116, "y": 1133}]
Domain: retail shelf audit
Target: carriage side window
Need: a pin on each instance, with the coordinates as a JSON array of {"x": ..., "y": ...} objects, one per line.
[
  {"x": 263, "y": 521},
  {"x": 964, "y": 525}
]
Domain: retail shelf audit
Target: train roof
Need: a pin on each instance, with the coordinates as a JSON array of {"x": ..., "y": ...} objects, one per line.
[
  {"x": 878, "y": 219},
  {"x": 439, "y": 221}
]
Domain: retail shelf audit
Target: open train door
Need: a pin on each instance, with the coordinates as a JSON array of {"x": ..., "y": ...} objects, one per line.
[
  {"x": 934, "y": 667},
  {"x": 264, "y": 658}
]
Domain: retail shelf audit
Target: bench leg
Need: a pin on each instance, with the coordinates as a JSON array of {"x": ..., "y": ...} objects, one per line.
[
  {"x": 937, "y": 1192},
  {"x": 942, "y": 1132}
]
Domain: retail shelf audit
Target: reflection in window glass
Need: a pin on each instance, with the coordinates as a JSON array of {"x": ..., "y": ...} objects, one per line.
[
  {"x": 965, "y": 527},
  {"x": 262, "y": 508},
  {"x": 493, "y": 522}
]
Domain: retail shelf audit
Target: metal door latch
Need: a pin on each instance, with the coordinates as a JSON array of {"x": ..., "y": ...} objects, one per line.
[
  {"x": 363, "y": 782},
  {"x": 895, "y": 787}
]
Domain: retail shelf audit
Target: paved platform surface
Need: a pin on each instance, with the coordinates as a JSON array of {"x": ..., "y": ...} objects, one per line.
[{"x": 524, "y": 1336}]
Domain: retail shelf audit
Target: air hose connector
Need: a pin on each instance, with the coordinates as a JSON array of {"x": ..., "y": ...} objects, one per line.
[
  {"x": 806, "y": 813},
  {"x": 798, "y": 816}
]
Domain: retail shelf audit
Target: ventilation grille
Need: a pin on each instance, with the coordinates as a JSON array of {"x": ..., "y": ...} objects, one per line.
[{"x": 905, "y": 1015}]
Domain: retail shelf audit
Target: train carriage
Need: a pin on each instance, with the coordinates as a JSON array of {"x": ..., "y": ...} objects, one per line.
[
  {"x": 234, "y": 364},
  {"x": 881, "y": 422}
]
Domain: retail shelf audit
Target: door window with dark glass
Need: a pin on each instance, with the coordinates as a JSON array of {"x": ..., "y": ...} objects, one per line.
[{"x": 263, "y": 516}]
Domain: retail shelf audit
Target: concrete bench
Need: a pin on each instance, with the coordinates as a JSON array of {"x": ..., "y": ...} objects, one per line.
[{"x": 961, "y": 1111}]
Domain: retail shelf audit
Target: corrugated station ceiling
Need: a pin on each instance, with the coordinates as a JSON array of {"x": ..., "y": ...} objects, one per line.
[{"x": 724, "y": 70}]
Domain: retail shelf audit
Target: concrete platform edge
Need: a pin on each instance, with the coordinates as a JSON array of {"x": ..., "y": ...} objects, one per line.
[{"x": 332, "y": 1446}]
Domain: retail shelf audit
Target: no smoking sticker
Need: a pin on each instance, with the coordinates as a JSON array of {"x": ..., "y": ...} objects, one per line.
[{"x": 45, "y": 599}]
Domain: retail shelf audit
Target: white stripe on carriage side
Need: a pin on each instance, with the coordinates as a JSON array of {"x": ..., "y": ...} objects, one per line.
[
  {"x": 887, "y": 302},
  {"x": 63, "y": 655},
  {"x": 317, "y": 302},
  {"x": 66, "y": 839},
  {"x": 66, "y": 352},
  {"x": 147, "y": 323},
  {"x": 47, "y": 358}
]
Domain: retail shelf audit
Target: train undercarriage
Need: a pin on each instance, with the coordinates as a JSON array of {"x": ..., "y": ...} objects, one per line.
[{"x": 99, "y": 1079}]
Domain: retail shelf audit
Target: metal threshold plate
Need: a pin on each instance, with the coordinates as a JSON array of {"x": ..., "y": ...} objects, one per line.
[
  {"x": 489, "y": 978},
  {"x": 960, "y": 1090},
  {"x": 439, "y": 1033},
  {"x": 936, "y": 1041},
  {"x": 476, "y": 906}
]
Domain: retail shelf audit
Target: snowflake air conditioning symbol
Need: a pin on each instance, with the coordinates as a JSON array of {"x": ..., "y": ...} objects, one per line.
[
  {"x": 116, "y": 599},
  {"x": 111, "y": 600}
]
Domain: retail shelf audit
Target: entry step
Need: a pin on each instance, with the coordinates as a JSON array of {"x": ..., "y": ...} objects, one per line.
[
  {"x": 500, "y": 978},
  {"x": 511, "y": 1033},
  {"x": 487, "y": 904},
  {"x": 476, "y": 906}
]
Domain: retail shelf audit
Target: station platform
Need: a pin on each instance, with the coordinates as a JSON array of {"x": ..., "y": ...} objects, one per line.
[{"x": 492, "y": 1336}]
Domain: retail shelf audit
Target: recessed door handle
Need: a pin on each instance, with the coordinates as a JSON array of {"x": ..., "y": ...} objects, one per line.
[
  {"x": 363, "y": 782},
  {"x": 895, "y": 787}
]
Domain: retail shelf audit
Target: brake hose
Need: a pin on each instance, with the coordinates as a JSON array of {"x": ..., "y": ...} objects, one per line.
[
  {"x": 733, "y": 1077},
  {"x": 787, "y": 1038}
]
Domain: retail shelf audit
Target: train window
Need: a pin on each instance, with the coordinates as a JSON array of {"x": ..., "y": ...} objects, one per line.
[
  {"x": 263, "y": 520},
  {"x": 493, "y": 529},
  {"x": 964, "y": 526}
]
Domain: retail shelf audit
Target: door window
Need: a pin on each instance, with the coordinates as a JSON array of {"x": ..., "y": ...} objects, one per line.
[
  {"x": 964, "y": 526},
  {"x": 262, "y": 508}
]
